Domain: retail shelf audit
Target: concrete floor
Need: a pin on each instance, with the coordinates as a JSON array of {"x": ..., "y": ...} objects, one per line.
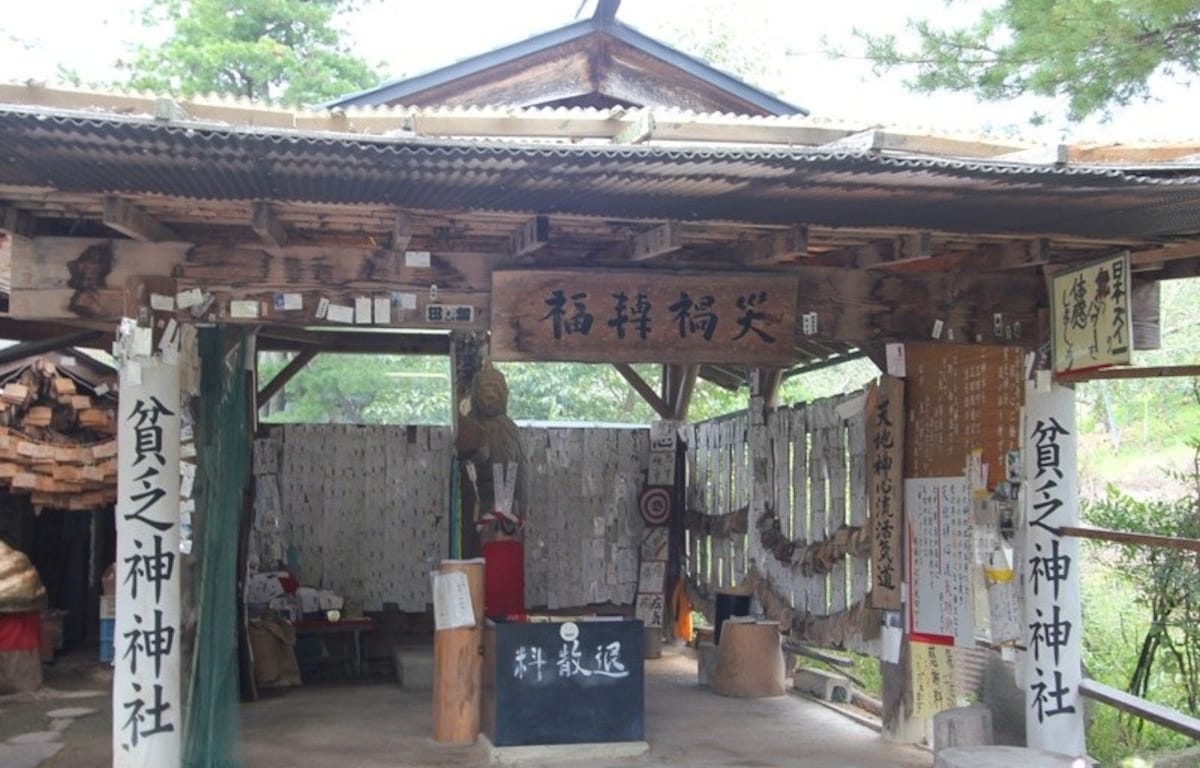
[{"x": 379, "y": 724}]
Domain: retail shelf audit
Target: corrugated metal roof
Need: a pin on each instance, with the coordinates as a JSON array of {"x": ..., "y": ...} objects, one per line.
[{"x": 86, "y": 152}]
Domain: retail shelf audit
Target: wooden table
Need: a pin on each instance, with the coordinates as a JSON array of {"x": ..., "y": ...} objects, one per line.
[{"x": 355, "y": 628}]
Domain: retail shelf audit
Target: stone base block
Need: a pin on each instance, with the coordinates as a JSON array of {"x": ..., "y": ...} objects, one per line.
[
  {"x": 828, "y": 686},
  {"x": 414, "y": 668}
]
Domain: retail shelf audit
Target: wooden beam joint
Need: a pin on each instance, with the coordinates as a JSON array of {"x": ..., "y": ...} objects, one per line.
[
  {"x": 294, "y": 366},
  {"x": 132, "y": 221},
  {"x": 642, "y": 388},
  {"x": 656, "y": 242},
  {"x": 775, "y": 248},
  {"x": 529, "y": 237},
  {"x": 267, "y": 225}
]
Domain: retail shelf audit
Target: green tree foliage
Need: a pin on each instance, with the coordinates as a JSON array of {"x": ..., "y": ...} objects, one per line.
[
  {"x": 1096, "y": 53},
  {"x": 284, "y": 51},
  {"x": 361, "y": 389},
  {"x": 1167, "y": 582}
]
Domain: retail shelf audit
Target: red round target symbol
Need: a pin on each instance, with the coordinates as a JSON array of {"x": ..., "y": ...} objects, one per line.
[{"x": 655, "y": 504}]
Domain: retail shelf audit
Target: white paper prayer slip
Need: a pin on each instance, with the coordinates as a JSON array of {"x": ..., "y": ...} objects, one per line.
[{"x": 452, "y": 606}]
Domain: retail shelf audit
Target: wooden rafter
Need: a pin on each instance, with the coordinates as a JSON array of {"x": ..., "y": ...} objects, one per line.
[{"x": 132, "y": 221}]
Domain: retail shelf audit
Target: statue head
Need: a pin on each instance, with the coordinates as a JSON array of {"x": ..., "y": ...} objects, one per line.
[{"x": 489, "y": 396}]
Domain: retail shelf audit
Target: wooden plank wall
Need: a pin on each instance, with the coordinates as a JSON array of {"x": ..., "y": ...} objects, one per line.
[
  {"x": 366, "y": 510},
  {"x": 815, "y": 457}
]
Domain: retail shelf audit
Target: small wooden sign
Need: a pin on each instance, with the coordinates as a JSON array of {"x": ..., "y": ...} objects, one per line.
[
  {"x": 885, "y": 489},
  {"x": 1090, "y": 316},
  {"x": 642, "y": 316}
]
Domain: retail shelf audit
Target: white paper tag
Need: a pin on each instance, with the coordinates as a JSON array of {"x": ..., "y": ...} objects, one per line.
[
  {"x": 161, "y": 303},
  {"x": 1042, "y": 382},
  {"x": 340, "y": 313},
  {"x": 417, "y": 259},
  {"x": 362, "y": 310},
  {"x": 383, "y": 310},
  {"x": 938, "y": 325},
  {"x": 892, "y": 638},
  {"x": 243, "y": 308},
  {"x": 407, "y": 300},
  {"x": 896, "y": 365},
  {"x": 452, "y": 607},
  {"x": 187, "y": 450},
  {"x": 192, "y": 297},
  {"x": 143, "y": 340},
  {"x": 101, "y": 390},
  {"x": 289, "y": 302}
]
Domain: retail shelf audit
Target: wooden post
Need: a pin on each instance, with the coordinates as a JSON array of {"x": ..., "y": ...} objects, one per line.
[
  {"x": 457, "y": 673},
  {"x": 458, "y": 666}
]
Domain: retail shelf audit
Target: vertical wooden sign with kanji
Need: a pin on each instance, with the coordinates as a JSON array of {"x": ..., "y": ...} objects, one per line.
[
  {"x": 885, "y": 489},
  {"x": 1053, "y": 620},
  {"x": 147, "y": 720}
]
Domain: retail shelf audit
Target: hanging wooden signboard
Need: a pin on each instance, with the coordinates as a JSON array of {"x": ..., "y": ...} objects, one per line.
[
  {"x": 885, "y": 489},
  {"x": 1090, "y": 316},
  {"x": 643, "y": 316}
]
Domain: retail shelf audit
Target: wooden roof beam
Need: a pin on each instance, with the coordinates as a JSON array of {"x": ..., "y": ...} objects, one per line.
[
  {"x": 267, "y": 225},
  {"x": 774, "y": 248},
  {"x": 1165, "y": 254},
  {"x": 284, "y": 339},
  {"x": 878, "y": 140},
  {"x": 133, "y": 221},
  {"x": 529, "y": 237}
]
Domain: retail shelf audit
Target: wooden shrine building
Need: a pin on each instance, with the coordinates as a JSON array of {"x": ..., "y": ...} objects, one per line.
[{"x": 603, "y": 223}]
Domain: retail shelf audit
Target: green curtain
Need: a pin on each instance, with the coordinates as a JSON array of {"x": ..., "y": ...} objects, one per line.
[{"x": 213, "y": 731}]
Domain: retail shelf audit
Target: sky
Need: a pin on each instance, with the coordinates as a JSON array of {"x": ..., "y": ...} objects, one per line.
[{"x": 409, "y": 37}]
